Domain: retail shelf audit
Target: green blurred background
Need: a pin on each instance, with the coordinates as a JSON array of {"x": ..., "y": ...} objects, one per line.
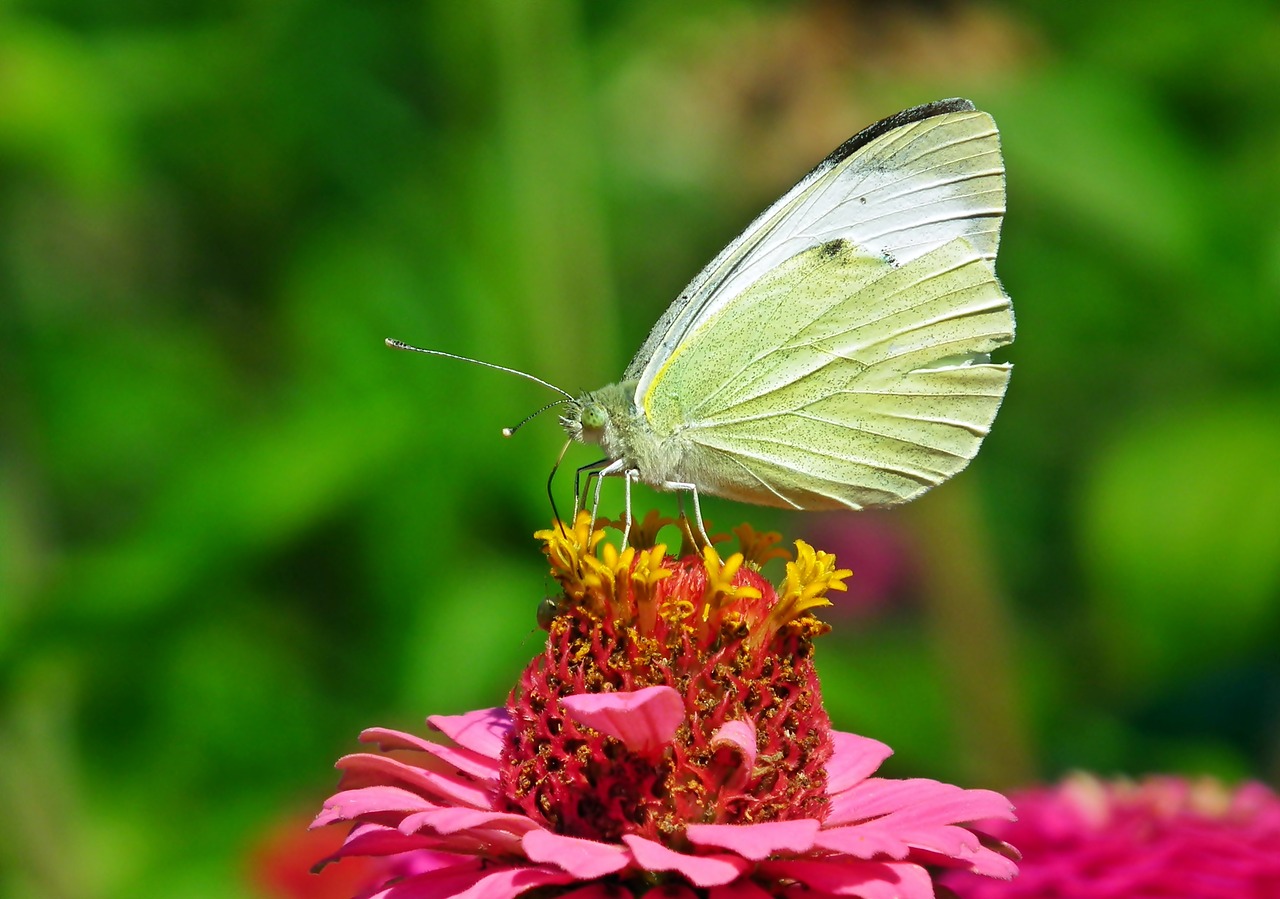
[{"x": 235, "y": 529}]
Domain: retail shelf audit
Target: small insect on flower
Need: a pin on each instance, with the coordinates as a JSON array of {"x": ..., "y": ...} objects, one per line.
[{"x": 836, "y": 354}]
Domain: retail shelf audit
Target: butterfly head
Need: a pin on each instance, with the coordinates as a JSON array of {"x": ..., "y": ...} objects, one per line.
[
  {"x": 585, "y": 419},
  {"x": 603, "y": 417}
]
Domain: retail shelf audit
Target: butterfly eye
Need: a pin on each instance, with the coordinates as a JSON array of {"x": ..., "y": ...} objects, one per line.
[{"x": 593, "y": 417}]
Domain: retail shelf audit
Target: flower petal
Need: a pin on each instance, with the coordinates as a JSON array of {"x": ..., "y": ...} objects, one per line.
[
  {"x": 853, "y": 760},
  {"x": 700, "y": 870},
  {"x": 990, "y": 863},
  {"x": 470, "y": 830},
  {"x": 738, "y": 762},
  {"x": 466, "y": 761},
  {"x": 644, "y": 719},
  {"x": 515, "y": 881},
  {"x": 916, "y": 800},
  {"x": 351, "y": 804},
  {"x": 479, "y": 881},
  {"x": 757, "y": 841},
  {"x": 446, "y": 788},
  {"x": 869, "y": 880},
  {"x": 483, "y": 731},
  {"x": 867, "y": 840},
  {"x": 585, "y": 859},
  {"x": 739, "y": 736},
  {"x": 447, "y": 821},
  {"x": 375, "y": 839}
]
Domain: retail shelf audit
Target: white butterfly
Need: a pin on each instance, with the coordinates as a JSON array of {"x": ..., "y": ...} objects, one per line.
[{"x": 836, "y": 353}]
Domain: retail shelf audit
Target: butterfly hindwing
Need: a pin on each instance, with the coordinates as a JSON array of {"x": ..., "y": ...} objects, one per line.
[{"x": 871, "y": 387}]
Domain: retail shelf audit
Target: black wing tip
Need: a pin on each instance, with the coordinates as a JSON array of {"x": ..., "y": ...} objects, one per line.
[
  {"x": 915, "y": 114},
  {"x": 897, "y": 120}
]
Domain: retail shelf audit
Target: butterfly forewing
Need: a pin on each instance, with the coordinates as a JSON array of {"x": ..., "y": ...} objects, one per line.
[{"x": 901, "y": 188}]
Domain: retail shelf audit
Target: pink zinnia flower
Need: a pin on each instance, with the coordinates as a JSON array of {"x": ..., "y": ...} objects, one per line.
[
  {"x": 1158, "y": 838},
  {"x": 669, "y": 741}
]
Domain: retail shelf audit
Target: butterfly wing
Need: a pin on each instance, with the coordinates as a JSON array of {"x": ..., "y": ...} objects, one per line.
[
  {"x": 839, "y": 379},
  {"x": 900, "y": 188}
]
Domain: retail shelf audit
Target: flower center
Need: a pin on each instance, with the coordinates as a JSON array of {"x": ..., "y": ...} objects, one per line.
[{"x": 754, "y": 739}]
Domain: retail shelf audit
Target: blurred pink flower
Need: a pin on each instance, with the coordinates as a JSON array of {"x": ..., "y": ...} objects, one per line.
[
  {"x": 670, "y": 741},
  {"x": 876, "y": 546},
  {"x": 1158, "y": 838}
]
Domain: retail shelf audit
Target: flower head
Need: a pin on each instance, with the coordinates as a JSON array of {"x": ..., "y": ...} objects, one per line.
[
  {"x": 671, "y": 736},
  {"x": 1163, "y": 837}
]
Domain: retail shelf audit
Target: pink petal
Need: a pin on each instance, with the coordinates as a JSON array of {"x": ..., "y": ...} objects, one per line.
[
  {"x": 464, "y": 760},
  {"x": 869, "y": 880},
  {"x": 951, "y": 804},
  {"x": 515, "y": 881},
  {"x": 483, "y": 731},
  {"x": 950, "y": 840},
  {"x": 740, "y": 736},
  {"x": 471, "y": 830},
  {"x": 644, "y": 720},
  {"x": 584, "y": 859},
  {"x": 867, "y": 840},
  {"x": 991, "y": 864},
  {"x": 441, "y": 867},
  {"x": 916, "y": 800},
  {"x": 351, "y": 804},
  {"x": 422, "y": 861},
  {"x": 388, "y": 739},
  {"x": 479, "y": 882},
  {"x": 374, "y": 839},
  {"x": 757, "y": 841},
  {"x": 700, "y": 870},
  {"x": 854, "y": 759},
  {"x": 448, "y": 789},
  {"x": 477, "y": 843},
  {"x": 435, "y": 885},
  {"x": 447, "y": 821}
]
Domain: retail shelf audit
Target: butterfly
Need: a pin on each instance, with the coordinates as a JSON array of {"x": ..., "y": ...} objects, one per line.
[{"x": 836, "y": 354}]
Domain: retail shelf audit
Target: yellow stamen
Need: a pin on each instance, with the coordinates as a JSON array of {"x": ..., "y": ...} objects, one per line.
[
  {"x": 720, "y": 588},
  {"x": 566, "y": 549},
  {"x": 646, "y": 574},
  {"x": 809, "y": 578}
]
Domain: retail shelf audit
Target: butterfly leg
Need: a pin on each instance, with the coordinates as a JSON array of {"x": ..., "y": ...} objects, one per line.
[
  {"x": 628, "y": 476},
  {"x": 591, "y": 470},
  {"x": 611, "y": 469},
  {"x": 692, "y": 490}
]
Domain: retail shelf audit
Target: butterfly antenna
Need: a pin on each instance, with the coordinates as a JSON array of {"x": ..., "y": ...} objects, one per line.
[
  {"x": 401, "y": 345},
  {"x": 508, "y": 432}
]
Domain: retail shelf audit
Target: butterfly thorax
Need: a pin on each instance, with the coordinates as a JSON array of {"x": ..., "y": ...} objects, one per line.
[{"x": 609, "y": 417}]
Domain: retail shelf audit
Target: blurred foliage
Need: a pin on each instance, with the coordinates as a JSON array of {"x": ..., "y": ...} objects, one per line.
[{"x": 234, "y": 529}]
